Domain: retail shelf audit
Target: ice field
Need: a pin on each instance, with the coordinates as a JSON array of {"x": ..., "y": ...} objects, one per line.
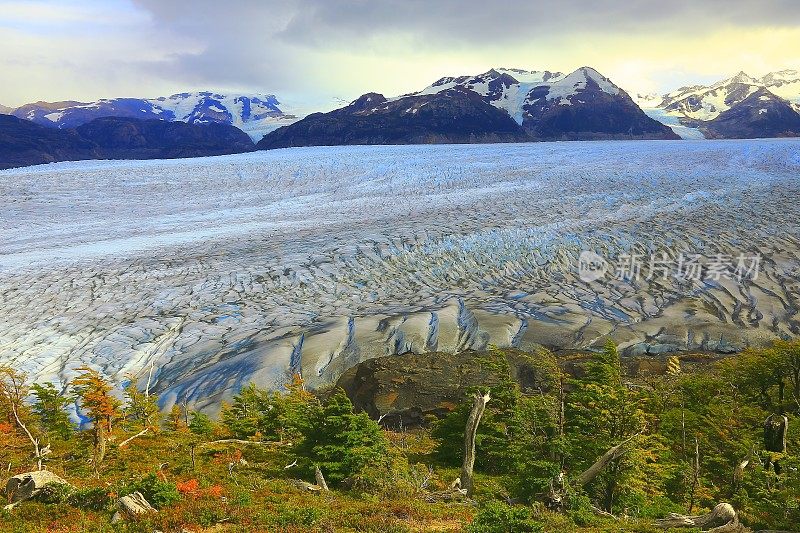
[{"x": 221, "y": 271}]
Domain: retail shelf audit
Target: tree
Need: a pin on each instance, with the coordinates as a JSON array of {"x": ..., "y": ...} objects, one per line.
[
  {"x": 177, "y": 421},
  {"x": 201, "y": 425},
  {"x": 601, "y": 413},
  {"x": 141, "y": 408},
  {"x": 94, "y": 396},
  {"x": 50, "y": 406},
  {"x": 341, "y": 442},
  {"x": 272, "y": 415}
]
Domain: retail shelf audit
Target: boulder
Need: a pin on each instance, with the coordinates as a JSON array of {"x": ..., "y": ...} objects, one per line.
[
  {"x": 131, "y": 506},
  {"x": 28, "y": 485}
]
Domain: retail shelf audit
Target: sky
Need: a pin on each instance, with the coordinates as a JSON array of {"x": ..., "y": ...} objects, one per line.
[{"x": 310, "y": 52}]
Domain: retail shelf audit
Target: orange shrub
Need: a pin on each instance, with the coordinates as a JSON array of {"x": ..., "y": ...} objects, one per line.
[
  {"x": 187, "y": 487},
  {"x": 215, "y": 491}
]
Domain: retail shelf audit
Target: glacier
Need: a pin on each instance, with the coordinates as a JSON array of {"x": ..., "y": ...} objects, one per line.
[{"x": 227, "y": 270}]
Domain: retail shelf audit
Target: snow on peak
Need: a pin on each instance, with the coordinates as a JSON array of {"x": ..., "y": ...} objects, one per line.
[
  {"x": 708, "y": 102},
  {"x": 578, "y": 81}
]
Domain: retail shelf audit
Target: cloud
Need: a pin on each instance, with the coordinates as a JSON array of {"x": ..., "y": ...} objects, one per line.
[{"x": 322, "y": 48}]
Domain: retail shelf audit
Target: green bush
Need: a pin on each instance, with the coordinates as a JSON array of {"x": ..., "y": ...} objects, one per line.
[
  {"x": 157, "y": 492},
  {"x": 496, "y": 517}
]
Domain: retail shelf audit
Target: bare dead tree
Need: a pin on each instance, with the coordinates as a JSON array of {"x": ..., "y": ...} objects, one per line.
[
  {"x": 613, "y": 453},
  {"x": 12, "y": 387},
  {"x": 478, "y": 407},
  {"x": 695, "y": 474}
]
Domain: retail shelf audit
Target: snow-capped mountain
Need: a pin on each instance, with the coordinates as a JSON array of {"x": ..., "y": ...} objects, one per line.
[
  {"x": 254, "y": 114},
  {"x": 552, "y": 105},
  {"x": 5, "y": 110},
  {"x": 705, "y": 103},
  {"x": 740, "y": 106},
  {"x": 500, "y": 105}
]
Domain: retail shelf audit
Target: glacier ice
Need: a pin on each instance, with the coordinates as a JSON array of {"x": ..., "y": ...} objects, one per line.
[{"x": 221, "y": 271}]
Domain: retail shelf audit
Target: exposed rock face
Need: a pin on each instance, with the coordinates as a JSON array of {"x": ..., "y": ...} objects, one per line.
[
  {"x": 24, "y": 143},
  {"x": 410, "y": 387},
  {"x": 453, "y": 116}
]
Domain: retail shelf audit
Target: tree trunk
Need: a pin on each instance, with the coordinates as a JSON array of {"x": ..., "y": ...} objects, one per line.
[
  {"x": 320, "y": 478},
  {"x": 775, "y": 428},
  {"x": 474, "y": 419},
  {"x": 695, "y": 474},
  {"x": 612, "y": 454}
]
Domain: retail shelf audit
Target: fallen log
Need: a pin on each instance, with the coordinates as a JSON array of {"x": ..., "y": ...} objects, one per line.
[
  {"x": 721, "y": 519},
  {"x": 448, "y": 495}
]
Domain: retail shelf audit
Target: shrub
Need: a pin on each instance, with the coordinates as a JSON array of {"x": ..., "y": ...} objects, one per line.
[
  {"x": 157, "y": 492},
  {"x": 92, "y": 499},
  {"x": 188, "y": 487},
  {"x": 496, "y": 517}
]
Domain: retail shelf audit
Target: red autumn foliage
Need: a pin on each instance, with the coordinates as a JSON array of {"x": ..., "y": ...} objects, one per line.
[{"x": 188, "y": 487}]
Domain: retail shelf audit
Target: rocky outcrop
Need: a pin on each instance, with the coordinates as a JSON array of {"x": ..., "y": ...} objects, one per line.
[
  {"x": 454, "y": 116},
  {"x": 409, "y": 389}
]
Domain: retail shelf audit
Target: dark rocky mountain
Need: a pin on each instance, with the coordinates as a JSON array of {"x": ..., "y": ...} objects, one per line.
[
  {"x": 451, "y": 116},
  {"x": 762, "y": 114},
  {"x": 24, "y": 143},
  {"x": 126, "y": 138},
  {"x": 517, "y": 106},
  {"x": 585, "y": 105}
]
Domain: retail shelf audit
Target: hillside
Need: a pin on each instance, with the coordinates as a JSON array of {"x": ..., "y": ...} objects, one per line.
[{"x": 24, "y": 143}]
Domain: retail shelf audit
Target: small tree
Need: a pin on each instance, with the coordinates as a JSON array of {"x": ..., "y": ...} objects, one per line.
[
  {"x": 201, "y": 425},
  {"x": 601, "y": 413},
  {"x": 95, "y": 398},
  {"x": 50, "y": 406},
  {"x": 340, "y": 442},
  {"x": 177, "y": 421},
  {"x": 141, "y": 408},
  {"x": 273, "y": 415}
]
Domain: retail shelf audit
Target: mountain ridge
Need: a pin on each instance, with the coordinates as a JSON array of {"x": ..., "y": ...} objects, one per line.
[
  {"x": 256, "y": 114},
  {"x": 24, "y": 143},
  {"x": 582, "y": 105}
]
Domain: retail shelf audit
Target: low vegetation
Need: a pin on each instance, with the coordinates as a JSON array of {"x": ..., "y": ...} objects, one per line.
[{"x": 596, "y": 450}]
